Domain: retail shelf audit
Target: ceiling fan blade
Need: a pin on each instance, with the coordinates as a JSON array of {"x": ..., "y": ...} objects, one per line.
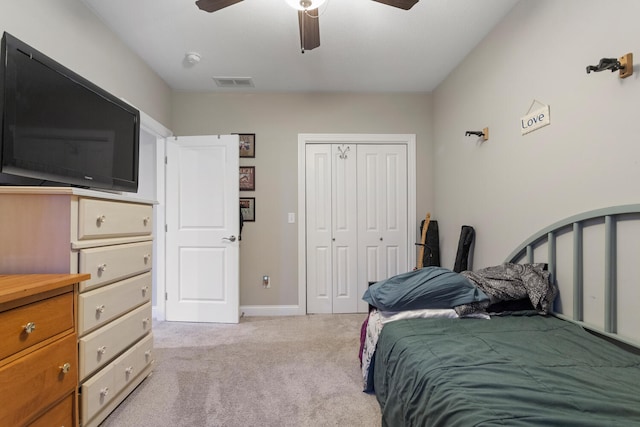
[
  {"x": 309, "y": 29},
  {"x": 402, "y": 4},
  {"x": 213, "y": 5}
]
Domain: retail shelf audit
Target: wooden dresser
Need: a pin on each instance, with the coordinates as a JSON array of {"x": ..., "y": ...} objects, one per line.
[
  {"x": 68, "y": 230},
  {"x": 39, "y": 353}
]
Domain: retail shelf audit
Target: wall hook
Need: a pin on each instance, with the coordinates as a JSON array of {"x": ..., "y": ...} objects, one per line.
[
  {"x": 484, "y": 133},
  {"x": 624, "y": 64}
]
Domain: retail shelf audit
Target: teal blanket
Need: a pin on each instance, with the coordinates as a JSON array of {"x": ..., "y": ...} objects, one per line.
[{"x": 507, "y": 371}]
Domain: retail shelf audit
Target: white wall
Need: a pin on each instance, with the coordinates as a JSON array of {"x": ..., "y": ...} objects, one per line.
[
  {"x": 68, "y": 32},
  {"x": 270, "y": 245},
  {"x": 511, "y": 186}
]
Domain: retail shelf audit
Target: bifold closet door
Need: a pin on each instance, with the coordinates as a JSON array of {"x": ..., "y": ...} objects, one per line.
[
  {"x": 356, "y": 221},
  {"x": 332, "y": 257}
]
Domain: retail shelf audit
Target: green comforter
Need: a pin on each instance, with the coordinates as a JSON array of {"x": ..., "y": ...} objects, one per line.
[{"x": 507, "y": 371}]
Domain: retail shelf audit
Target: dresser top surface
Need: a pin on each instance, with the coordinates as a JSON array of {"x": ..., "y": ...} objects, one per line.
[
  {"x": 15, "y": 286},
  {"x": 73, "y": 191}
]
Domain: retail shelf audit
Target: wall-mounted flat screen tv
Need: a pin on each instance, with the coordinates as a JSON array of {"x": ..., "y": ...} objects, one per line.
[{"x": 60, "y": 129}]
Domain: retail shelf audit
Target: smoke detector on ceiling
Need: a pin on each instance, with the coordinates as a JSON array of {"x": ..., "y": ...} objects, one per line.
[{"x": 193, "y": 57}]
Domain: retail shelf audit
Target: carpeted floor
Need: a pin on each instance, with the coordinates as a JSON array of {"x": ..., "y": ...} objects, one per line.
[{"x": 265, "y": 371}]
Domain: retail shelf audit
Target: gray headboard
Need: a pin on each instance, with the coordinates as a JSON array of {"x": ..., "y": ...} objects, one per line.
[{"x": 594, "y": 258}]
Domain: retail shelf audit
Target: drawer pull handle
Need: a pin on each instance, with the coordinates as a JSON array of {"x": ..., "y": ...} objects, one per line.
[
  {"x": 102, "y": 268},
  {"x": 101, "y": 220},
  {"x": 29, "y": 327},
  {"x": 146, "y": 220},
  {"x": 147, "y": 257},
  {"x": 102, "y": 350},
  {"x": 145, "y": 289},
  {"x": 100, "y": 309},
  {"x": 129, "y": 370},
  {"x": 104, "y": 391},
  {"x": 65, "y": 368},
  {"x": 145, "y": 321},
  {"x": 147, "y": 354}
]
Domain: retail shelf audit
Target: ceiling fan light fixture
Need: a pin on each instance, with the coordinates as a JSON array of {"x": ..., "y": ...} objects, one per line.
[{"x": 305, "y": 4}]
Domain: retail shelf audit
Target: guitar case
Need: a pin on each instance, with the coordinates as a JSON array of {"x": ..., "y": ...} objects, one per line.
[
  {"x": 467, "y": 237},
  {"x": 431, "y": 256}
]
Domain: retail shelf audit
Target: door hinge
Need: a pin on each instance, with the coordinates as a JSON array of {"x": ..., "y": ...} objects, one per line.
[
  {"x": 166, "y": 228},
  {"x": 165, "y": 160},
  {"x": 166, "y": 296}
]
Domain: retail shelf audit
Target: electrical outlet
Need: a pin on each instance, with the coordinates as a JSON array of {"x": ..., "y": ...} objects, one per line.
[{"x": 266, "y": 282}]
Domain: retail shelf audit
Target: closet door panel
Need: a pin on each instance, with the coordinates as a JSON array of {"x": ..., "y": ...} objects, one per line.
[
  {"x": 382, "y": 224},
  {"x": 345, "y": 228},
  {"x": 319, "y": 229}
]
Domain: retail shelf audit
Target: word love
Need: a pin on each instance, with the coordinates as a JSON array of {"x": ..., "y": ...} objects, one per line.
[{"x": 535, "y": 120}]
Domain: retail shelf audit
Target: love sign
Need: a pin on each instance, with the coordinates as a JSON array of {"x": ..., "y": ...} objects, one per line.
[{"x": 535, "y": 120}]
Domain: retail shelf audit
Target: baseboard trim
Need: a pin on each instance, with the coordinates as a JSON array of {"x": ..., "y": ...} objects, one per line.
[{"x": 272, "y": 310}]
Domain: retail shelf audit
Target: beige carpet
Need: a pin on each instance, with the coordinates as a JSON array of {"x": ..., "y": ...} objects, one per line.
[{"x": 265, "y": 371}]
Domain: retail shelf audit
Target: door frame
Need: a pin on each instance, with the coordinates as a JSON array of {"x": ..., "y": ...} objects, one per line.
[{"x": 311, "y": 138}]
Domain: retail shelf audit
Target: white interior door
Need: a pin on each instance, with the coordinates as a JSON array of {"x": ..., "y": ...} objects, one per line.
[{"x": 202, "y": 229}]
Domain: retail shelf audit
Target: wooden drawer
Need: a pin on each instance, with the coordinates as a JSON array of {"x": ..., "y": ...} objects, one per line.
[
  {"x": 96, "y": 393},
  {"x": 101, "y": 346},
  {"x": 36, "y": 381},
  {"x": 111, "y": 263},
  {"x": 60, "y": 415},
  {"x": 101, "y": 305},
  {"x": 104, "y": 218},
  {"x": 48, "y": 317},
  {"x": 133, "y": 362}
]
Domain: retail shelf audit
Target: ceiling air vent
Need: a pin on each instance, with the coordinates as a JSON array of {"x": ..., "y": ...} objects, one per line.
[{"x": 234, "y": 82}]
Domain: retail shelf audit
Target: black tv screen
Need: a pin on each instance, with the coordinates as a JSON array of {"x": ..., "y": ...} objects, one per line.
[{"x": 60, "y": 129}]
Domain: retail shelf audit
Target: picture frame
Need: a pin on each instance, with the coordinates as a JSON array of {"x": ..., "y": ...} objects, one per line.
[
  {"x": 248, "y": 208},
  {"x": 247, "y": 145},
  {"x": 247, "y": 178}
]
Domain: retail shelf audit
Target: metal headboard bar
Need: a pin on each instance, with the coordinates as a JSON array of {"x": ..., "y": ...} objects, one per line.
[
  {"x": 578, "y": 280},
  {"x": 610, "y": 289},
  {"x": 598, "y": 213}
]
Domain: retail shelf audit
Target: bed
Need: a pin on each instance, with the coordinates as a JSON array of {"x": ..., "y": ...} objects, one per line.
[{"x": 561, "y": 355}]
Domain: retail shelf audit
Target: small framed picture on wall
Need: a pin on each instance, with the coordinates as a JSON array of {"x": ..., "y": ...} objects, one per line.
[
  {"x": 247, "y": 178},
  {"x": 247, "y": 144},
  {"x": 248, "y": 208}
]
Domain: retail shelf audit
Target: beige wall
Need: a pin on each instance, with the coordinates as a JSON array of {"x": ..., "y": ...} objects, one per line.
[
  {"x": 589, "y": 157},
  {"x": 269, "y": 245},
  {"x": 68, "y": 32}
]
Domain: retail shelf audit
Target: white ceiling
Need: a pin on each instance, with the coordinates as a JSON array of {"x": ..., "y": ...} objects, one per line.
[{"x": 365, "y": 46}]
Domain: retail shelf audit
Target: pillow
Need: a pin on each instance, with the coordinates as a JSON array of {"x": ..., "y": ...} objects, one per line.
[{"x": 430, "y": 287}]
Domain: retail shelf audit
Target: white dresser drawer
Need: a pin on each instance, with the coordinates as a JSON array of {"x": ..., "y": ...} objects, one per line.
[
  {"x": 105, "y": 218},
  {"x": 101, "y": 346},
  {"x": 96, "y": 393},
  {"x": 132, "y": 363},
  {"x": 102, "y": 305},
  {"x": 110, "y": 263}
]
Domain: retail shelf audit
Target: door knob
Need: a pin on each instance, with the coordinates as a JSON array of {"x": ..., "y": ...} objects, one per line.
[{"x": 231, "y": 239}]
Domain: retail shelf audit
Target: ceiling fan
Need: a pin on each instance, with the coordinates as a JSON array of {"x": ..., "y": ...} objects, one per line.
[{"x": 307, "y": 15}]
